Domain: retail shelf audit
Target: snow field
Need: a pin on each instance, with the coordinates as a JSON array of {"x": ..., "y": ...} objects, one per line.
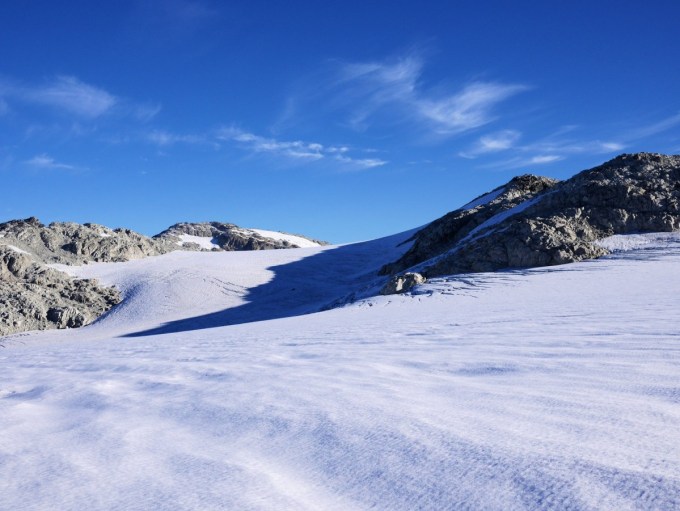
[{"x": 554, "y": 388}]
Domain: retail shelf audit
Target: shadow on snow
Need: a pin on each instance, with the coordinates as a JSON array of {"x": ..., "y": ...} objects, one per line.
[{"x": 300, "y": 287}]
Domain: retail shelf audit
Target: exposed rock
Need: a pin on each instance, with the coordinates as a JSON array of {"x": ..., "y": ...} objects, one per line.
[
  {"x": 227, "y": 237},
  {"x": 444, "y": 233},
  {"x": 72, "y": 243},
  {"x": 402, "y": 283},
  {"x": 552, "y": 223},
  {"x": 35, "y": 297}
]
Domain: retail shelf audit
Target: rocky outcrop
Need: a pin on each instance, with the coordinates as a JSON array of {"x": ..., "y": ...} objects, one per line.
[
  {"x": 35, "y": 297},
  {"x": 402, "y": 283},
  {"x": 535, "y": 221},
  {"x": 229, "y": 237},
  {"x": 72, "y": 243},
  {"x": 444, "y": 233}
]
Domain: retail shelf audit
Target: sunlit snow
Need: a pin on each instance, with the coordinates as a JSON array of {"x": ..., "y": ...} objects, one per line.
[{"x": 551, "y": 388}]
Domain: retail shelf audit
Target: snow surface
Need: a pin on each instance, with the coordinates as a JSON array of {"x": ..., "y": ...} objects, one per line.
[
  {"x": 206, "y": 242},
  {"x": 17, "y": 249},
  {"x": 627, "y": 242},
  {"x": 551, "y": 388},
  {"x": 484, "y": 199},
  {"x": 290, "y": 238}
]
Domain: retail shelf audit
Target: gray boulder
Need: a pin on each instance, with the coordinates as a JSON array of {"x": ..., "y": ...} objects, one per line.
[{"x": 402, "y": 283}]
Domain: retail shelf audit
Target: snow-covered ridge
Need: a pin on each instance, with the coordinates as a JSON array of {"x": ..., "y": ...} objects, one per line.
[
  {"x": 289, "y": 238},
  {"x": 205, "y": 242},
  {"x": 225, "y": 236},
  {"x": 484, "y": 199}
]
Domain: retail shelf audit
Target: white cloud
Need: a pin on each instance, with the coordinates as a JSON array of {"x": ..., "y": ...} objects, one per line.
[
  {"x": 43, "y": 161},
  {"x": 363, "y": 163},
  {"x": 164, "y": 138},
  {"x": 611, "y": 146},
  {"x": 493, "y": 142},
  {"x": 388, "y": 88},
  {"x": 562, "y": 146},
  {"x": 297, "y": 149},
  {"x": 294, "y": 149},
  {"x": 467, "y": 109},
  {"x": 654, "y": 128},
  {"x": 147, "y": 112},
  {"x": 516, "y": 162},
  {"x": 71, "y": 95},
  {"x": 544, "y": 158}
]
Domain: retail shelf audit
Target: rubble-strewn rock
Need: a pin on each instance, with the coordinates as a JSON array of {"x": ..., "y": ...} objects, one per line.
[
  {"x": 72, "y": 243},
  {"x": 402, "y": 283},
  {"x": 227, "y": 236},
  {"x": 444, "y": 233},
  {"x": 548, "y": 223},
  {"x": 35, "y": 297}
]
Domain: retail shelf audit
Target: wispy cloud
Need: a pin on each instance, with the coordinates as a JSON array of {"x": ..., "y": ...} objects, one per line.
[
  {"x": 146, "y": 112},
  {"x": 554, "y": 147},
  {"x": 69, "y": 94},
  {"x": 362, "y": 163},
  {"x": 467, "y": 109},
  {"x": 654, "y": 128},
  {"x": 292, "y": 149},
  {"x": 384, "y": 89},
  {"x": 165, "y": 138},
  {"x": 492, "y": 143},
  {"x": 517, "y": 162},
  {"x": 572, "y": 146},
  {"x": 43, "y": 161},
  {"x": 542, "y": 159},
  {"x": 296, "y": 149}
]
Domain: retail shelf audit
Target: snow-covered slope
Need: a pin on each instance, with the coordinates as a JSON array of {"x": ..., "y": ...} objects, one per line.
[{"x": 551, "y": 388}]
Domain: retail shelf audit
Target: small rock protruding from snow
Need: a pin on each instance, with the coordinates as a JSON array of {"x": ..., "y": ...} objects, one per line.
[{"x": 402, "y": 283}]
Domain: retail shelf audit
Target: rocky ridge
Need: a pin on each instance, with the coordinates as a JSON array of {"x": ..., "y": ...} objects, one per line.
[
  {"x": 225, "y": 236},
  {"x": 34, "y": 296},
  {"x": 534, "y": 221},
  {"x": 72, "y": 243}
]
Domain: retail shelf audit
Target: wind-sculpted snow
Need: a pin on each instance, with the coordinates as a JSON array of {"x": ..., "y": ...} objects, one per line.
[{"x": 551, "y": 388}]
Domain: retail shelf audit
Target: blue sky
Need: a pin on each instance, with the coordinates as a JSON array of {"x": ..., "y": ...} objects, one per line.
[{"x": 344, "y": 120}]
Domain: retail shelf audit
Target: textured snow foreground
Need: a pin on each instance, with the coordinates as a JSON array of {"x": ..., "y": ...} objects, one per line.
[{"x": 552, "y": 388}]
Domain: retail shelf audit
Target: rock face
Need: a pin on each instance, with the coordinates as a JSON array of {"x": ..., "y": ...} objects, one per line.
[
  {"x": 229, "y": 237},
  {"x": 534, "y": 221},
  {"x": 71, "y": 243},
  {"x": 35, "y": 297},
  {"x": 402, "y": 283}
]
